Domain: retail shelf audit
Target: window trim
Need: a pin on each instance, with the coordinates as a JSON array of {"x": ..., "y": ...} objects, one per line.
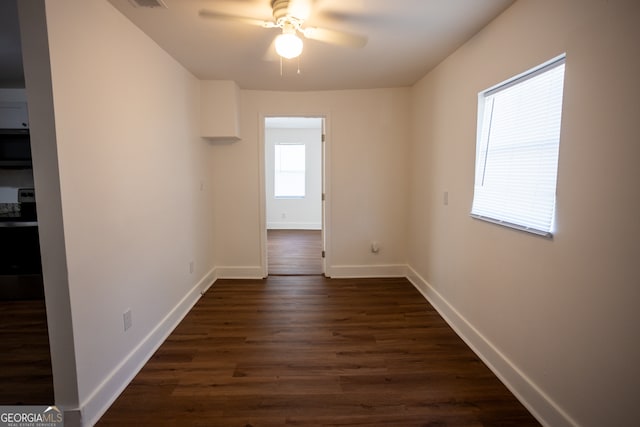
[
  {"x": 520, "y": 78},
  {"x": 304, "y": 172},
  {"x": 546, "y": 234}
]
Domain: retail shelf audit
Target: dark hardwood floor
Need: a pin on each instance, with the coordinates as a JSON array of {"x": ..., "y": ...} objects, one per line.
[
  {"x": 312, "y": 351},
  {"x": 294, "y": 252},
  {"x": 25, "y": 360}
]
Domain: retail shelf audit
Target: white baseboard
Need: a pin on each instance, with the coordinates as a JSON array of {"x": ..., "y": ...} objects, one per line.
[
  {"x": 94, "y": 406},
  {"x": 363, "y": 271},
  {"x": 226, "y": 272},
  {"x": 208, "y": 281},
  {"x": 294, "y": 226},
  {"x": 336, "y": 271},
  {"x": 531, "y": 396},
  {"x": 72, "y": 418},
  {"x": 528, "y": 393}
]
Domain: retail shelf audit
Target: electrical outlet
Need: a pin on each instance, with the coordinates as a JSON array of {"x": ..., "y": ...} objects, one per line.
[
  {"x": 128, "y": 322},
  {"x": 191, "y": 267},
  {"x": 445, "y": 198},
  {"x": 283, "y": 215}
]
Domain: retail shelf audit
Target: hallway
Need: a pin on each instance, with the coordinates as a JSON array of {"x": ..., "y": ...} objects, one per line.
[{"x": 294, "y": 252}]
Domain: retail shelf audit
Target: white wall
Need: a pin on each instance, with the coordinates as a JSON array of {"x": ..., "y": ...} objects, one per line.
[
  {"x": 557, "y": 318},
  {"x": 295, "y": 213},
  {"x": 367, "y": 133},
  {"x": 35, "y": 53},
  {"x": 133, "y": 193},
  {"x": 140, "y": 196}
]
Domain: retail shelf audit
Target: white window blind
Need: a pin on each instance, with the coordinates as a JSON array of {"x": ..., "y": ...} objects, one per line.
[
  {"x": 517, "y": 150},
  {"x": 290, "y": 181}
]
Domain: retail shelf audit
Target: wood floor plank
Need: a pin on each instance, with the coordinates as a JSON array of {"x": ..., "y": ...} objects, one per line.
[
  {"x": 25, "y": 374},
  {"x": 294, "y": 252},
  {"x": 311, "y": 351}
]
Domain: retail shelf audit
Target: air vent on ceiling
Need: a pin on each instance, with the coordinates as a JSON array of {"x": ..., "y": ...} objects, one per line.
[{"x": 148, "y": 3}]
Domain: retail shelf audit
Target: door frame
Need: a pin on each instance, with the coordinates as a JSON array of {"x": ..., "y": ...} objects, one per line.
[{"x": 325, "y": 179}]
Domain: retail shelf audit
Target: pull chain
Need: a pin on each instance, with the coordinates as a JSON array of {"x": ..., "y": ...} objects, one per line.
[{"x": 282, "y": 67}]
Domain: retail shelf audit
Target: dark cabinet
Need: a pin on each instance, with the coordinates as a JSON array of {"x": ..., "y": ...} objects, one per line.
[{"x": 19, "y": 251}]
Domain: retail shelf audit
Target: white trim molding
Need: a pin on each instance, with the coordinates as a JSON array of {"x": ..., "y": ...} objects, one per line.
[
  {"x": 239, "y": 272},
  {"x": 294, "y": 226},
  {"x": 528, "y": 393},
  {"x": 94, "y": 406},
  {"x": 364, "y": 271},
  {"x": 543, "y": 408}
]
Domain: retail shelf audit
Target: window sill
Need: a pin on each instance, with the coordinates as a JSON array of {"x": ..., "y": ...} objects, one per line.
[{"x": 541, "y": 233}]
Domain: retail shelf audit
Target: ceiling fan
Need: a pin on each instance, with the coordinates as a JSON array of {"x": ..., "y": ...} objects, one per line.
[{"x": 290, "y": 16}]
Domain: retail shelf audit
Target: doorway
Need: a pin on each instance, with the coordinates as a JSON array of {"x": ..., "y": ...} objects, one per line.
[
  {"x": 293, "y": 168},
  {"x": 26, "y": 377}
]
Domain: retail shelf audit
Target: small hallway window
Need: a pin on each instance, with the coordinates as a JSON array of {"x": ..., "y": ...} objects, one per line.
[{"x": 290, "y": 179}]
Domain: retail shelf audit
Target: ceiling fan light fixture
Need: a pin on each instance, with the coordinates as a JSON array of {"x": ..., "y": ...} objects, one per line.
[{"x": 288, "y": 45}]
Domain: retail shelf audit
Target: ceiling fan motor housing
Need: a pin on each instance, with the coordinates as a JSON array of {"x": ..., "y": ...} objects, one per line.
[
  {"x": 283, "y": 18},
  {"x": 280, "y": 9}
]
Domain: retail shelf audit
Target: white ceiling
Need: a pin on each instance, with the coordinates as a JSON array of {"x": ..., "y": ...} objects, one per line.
[{"x": 406, "y": 38}]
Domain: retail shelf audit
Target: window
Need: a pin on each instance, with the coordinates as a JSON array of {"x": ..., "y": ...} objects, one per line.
[
  {"x": 517, "y": 150},
  {"x": 289, "y": 171}
]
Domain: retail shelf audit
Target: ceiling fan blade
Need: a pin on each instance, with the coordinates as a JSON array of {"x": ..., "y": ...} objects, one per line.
[
  {"x": 340, "y": 38},
  {"x": 270, "y": 54},
  {"x": 210, "y": 14}
]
